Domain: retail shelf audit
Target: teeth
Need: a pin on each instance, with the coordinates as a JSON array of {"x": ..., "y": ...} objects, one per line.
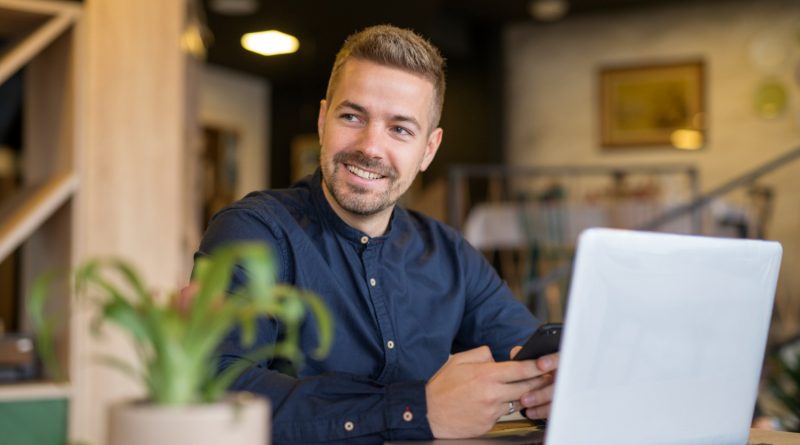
[{"x": 363, "y": 173}]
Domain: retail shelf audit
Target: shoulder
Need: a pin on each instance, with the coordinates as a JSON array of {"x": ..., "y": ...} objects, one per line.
[
  {"x": 269, "y": 208},
  {"x": 424, "y": 224},
  {"x": 434, "y": 232},
  {"x": 264, "y": 215}
]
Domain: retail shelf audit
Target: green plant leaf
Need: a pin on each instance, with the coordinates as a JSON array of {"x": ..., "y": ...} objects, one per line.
[
  {"x": 44, "y": 328},
  {"x": 176, "y": 342},
  {"x": 324, "y": 324},
  {"x": 123, "y": 366}
]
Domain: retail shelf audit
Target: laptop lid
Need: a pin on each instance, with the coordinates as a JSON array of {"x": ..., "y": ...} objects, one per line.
[{"x": 664, "y": 339}]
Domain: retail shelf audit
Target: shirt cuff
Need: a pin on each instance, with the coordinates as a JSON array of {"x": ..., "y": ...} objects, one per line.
[{"x": 407, "y": 411}]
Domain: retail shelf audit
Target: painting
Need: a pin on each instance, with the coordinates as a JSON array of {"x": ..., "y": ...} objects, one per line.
[
  {"x": 219, "y": 170},
  {"x": 305, "y": 155},
  {"x": 652, "y": 105}
]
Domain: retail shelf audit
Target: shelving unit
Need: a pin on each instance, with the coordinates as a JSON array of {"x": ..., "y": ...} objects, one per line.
[
  {"x": 38, "y": 38},
  {"x": 105, "y": 174}
]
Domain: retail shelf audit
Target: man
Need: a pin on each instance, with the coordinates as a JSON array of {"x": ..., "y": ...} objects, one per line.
[{"x": 405, "y": 291}]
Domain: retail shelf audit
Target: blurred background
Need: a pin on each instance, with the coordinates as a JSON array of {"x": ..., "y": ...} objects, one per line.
[{"x": 124, "y": 125}]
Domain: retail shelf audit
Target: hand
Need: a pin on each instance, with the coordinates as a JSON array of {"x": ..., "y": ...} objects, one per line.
[
  {"x": 471, "y": 391},
  {"x": 536, "y": 402}
]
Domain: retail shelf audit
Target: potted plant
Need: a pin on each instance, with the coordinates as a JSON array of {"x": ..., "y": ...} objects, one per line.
[{"x": 175, "y": 340}]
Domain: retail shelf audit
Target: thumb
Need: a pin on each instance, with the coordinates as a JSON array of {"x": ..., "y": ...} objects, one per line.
[{"x": 514, "y": 351}]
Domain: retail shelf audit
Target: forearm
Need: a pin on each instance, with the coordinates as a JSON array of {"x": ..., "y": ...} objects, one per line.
[{"x": 339, "y": 407}]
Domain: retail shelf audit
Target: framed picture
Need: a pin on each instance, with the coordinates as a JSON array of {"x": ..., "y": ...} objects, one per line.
[
  {"x": 652, "y": 105},
  {"x": 305, "y": 155}
]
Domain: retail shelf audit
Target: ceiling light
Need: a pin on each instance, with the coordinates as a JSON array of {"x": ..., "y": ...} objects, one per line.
[
  {"x": 234, "y": 7},
  {"x": 270, "y": 43},
  {"x": 548, "y": 10}
]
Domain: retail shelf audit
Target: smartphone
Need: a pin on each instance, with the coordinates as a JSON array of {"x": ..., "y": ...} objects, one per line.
[{"x": 545, "y": 340}]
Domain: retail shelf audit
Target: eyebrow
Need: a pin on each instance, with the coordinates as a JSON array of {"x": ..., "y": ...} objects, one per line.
[{"x": 361, "y": 109}]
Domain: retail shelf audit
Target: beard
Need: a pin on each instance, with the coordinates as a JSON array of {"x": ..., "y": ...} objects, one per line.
[{"x": 361, "y": 200}]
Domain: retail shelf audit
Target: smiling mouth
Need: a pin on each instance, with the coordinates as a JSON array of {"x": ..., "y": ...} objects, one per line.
[{"x": 361, "y": 173}]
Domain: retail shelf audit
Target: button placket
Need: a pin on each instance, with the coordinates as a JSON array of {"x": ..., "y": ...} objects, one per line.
[{"x": 370, "y": 260}]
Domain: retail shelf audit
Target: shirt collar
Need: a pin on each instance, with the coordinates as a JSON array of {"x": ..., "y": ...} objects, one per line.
[{"x": 341, "y": 227}]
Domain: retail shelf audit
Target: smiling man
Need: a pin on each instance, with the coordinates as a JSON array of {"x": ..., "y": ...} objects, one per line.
[{"x": 423, "y": 324}]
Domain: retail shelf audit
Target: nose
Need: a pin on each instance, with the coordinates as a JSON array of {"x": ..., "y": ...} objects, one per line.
[{"x": 371, "y": 143}]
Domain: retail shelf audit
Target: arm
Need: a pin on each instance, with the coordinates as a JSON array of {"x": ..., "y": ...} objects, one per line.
[
  {"x": 336, "y": 406},
  {"x": 494, "y": 317}
]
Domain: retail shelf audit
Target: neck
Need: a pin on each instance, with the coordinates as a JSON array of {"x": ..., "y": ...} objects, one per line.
[{"x": 373, "y": 225}]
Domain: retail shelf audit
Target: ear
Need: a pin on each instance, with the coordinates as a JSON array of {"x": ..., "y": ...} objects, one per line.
[
  {"x": 432, "y": 146},
  {"x": 323, "y": 110}
]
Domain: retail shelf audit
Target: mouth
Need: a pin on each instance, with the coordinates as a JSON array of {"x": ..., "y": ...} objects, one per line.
[{"x": 363, "y": 174}]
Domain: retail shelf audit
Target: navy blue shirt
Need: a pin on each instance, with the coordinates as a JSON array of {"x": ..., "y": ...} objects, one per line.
[{"x": 401, "y": 304}]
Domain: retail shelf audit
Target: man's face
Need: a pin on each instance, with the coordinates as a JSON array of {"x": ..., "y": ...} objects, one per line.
[{"x": 375, "y": 136}]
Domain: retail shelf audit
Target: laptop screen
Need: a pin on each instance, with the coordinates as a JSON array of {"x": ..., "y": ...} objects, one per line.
[{"x": 664, "y": 339}]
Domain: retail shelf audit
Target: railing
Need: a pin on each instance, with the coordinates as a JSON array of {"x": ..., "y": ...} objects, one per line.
[
  {"x": 460, "y": 175},
  {"x": 544, "y": 284}
]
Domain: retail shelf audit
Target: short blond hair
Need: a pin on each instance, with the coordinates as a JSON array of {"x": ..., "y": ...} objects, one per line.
[{"x": 395, "y": 47}]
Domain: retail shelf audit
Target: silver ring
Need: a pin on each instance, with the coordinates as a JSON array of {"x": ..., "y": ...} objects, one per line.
[{"x": 510, "y": 408}]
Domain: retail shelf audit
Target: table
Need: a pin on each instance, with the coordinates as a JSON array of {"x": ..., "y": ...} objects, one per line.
[{"x": 518, "y": 432}]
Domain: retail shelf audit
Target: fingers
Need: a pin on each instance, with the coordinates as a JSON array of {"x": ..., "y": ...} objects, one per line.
[
  {"x": 548, "y": 363},
  {"x": 508, "y": 408},
  {"x": 514, "y": 351},
  {"x": 519, "y": 389},
  {"x": 513, "y": 371},
  {"x": 539, "y": 397},
  {"x": 538, "y": 412}
]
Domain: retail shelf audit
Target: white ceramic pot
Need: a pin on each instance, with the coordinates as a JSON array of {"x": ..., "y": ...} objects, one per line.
[{"x": 241, "y": 418}]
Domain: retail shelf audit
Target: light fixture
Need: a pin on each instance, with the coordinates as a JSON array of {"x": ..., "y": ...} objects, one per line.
[
  {"x": 687, "y": 139},
  {"x": 270, "y": 43},
  {"x": 548, "y": 10},
  {"x": 234, "y": 7}
]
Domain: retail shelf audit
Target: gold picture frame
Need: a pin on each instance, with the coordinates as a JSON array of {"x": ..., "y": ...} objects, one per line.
[{"x": 651, "y": 105}]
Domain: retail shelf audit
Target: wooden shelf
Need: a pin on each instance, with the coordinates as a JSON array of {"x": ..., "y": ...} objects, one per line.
[
  {"x": 20, "y": 217},
  {"x": 29, "y": 27},
  {"x": 14, "y": 392}
]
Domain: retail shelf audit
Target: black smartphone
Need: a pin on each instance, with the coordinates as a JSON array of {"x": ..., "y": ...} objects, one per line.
[{"x": 545, "y": 340}]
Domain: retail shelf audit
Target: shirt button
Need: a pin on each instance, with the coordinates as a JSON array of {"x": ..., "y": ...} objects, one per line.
[
  {"x": 372, "y": 282},
  {"x": 408, "y": 416},
  {"x": 364, "y": 239},
  {"x": 390, "y": 344},
  {"x": 348, "y": 426}
]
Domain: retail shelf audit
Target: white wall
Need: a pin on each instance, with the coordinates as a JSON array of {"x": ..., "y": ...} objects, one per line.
[
  {"x": 552, "y": 93},
  {"x": 239, "y": 102}
]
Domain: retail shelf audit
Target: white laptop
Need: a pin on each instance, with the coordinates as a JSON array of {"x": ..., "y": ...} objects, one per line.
[
  {"x": 664, "y": 339},
  {"x": 663, "y": 342}
]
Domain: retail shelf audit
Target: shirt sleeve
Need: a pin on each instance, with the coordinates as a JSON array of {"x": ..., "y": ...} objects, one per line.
[
  {"x": 329, "y": 407},
  {"x": 493, "y": 316},
  {"x": 335, "y": 406}
]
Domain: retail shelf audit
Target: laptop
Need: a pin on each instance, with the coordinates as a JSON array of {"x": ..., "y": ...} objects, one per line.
[{"x": 663, "y": 341}]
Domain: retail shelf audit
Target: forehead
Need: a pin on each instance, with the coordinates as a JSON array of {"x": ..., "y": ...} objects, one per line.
[{"x": 381, "y": 88}]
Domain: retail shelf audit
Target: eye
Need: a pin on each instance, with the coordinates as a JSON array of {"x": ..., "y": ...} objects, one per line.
[
  {"x": 402, "y": 131},
  {"x": 349, "y": 117}
]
